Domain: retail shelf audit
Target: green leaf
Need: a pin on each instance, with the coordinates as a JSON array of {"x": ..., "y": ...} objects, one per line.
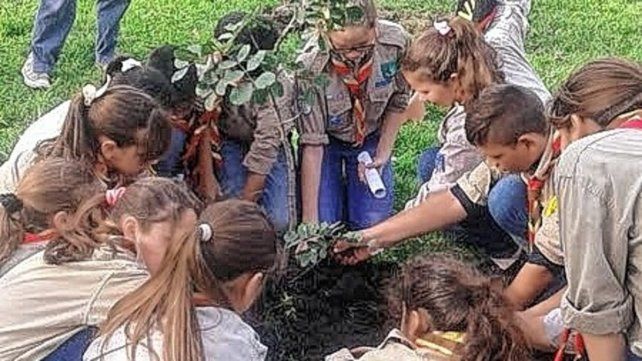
[
  {"x": 203, "y": 91},
  {"x": 265, "y": 80},
  {"x": 178, "y": 75},
  {"x": 210, "y": 102},
  {"x": 227, "y": 64},
  {"x": 234, "y": 27},
  {"x": 180, "y": 64},
  {"x": 255, "y": 61},
  {"x": 221, "y": 87},
  {"x": 241, "y": 94},
  {"x": 225, "y": 37},
  {"x": 233, "y": 76},
  {"x": 195, "y": 49},
  {"x": 277, "y": 89},
  {"x": 260, "y": 96},
  {"x": 243, "y": 53},
  {"x": 209, "y": 78}
]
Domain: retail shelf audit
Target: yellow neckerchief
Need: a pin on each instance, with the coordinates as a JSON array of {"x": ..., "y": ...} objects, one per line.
[{"x": 443, "y": 343}]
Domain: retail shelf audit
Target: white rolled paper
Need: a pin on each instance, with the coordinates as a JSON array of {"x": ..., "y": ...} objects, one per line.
[{"x": 373, "y": 178}]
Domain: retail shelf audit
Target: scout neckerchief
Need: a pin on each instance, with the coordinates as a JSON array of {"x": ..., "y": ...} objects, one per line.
[
  {"x": 577, "y": 346},
  {"x": 46, "y": 235},
  {"x": 355, "y": 82},
  {"x": 535, "y": 185}
]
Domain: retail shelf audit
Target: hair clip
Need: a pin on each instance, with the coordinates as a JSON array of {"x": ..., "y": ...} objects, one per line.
[
  {"x": 90, "y": 93},
  {"x": 129, "y": 64},
  {"x": 11, "y": 203},
  {"x": 206, "y": 232},
  {"x": 113, "y": 195},
  {"x": 442, "y": 27}
]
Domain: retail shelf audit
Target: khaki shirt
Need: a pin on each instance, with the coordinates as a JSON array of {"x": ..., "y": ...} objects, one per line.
[
  {"x": 386, "y": 90},
  {"x": 43, "y": 305},
  {"x": 599, "y": 184},
  {"x": 265, "y": 127}
]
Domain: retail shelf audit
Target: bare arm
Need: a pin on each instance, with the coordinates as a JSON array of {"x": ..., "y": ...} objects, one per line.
[
  {"x": 531, "y": 280},
  {"x": 611, "y": 347},
  {"x": 310, "y": 180},
  {"x": 253, "y": 186}
]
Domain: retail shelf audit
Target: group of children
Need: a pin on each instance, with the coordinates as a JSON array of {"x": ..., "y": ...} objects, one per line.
[{"x": 100, "y": 259}]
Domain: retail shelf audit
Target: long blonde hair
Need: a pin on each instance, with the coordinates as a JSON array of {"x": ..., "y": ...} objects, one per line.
[{"x": 242, "y": 240}]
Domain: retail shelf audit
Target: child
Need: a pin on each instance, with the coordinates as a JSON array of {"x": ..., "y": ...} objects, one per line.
[
  {"x": 447, "y": 311},
  {"x": 598, "y": 184},
  {"x": 361, "y": 110},
  {"x": 65, "y": 125},
  {"x": 257, "y": 158},
  {"x": 100, "y": 253},
  {"x": 215, "y": 276},
  {"x": 449, "y": 75},
  {"x": 45, "y": 199},
  {"x": 523, "y": 143}
]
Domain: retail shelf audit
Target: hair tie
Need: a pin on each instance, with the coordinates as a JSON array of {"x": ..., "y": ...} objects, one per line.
[
  {"x": 113, "y": 195},
  {"x": 129, "y": 64},
  {"x": 11, "y": 203},
  {"x": 442, "y": 27},
  {"x": 206, "y": 232},
  {"x": 90, "y": 93}
]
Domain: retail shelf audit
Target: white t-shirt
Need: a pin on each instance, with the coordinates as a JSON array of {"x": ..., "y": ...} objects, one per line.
[
  {"x": 224, "y": 337},
  {"x": 46, "y": 127}
]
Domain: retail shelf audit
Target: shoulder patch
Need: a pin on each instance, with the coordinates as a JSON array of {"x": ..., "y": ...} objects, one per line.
[{"x": 392, "y": 34}]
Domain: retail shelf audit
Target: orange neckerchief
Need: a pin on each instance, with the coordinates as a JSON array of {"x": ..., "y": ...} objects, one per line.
[
  {"x": 46, "y": 235},
  {"x": 354, "y": 82},
  {"x": 535, "y": 185}
]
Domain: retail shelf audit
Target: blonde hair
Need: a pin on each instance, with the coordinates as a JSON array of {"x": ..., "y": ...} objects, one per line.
[
  {"x": 48, "y": 187},
  {"x": 241, "y": 241}
]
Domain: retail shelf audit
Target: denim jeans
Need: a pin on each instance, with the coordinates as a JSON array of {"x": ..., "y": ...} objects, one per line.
[
  {"x": 342, "y": 196},
  {"x": 171, "y": 165},
  {"x": 233, "y": 175},
  {"x": 632, "y": 357},
  {"x": 73, "y": 348},
  {"x": 53, "y": 23},
  {"x": 507, "y": 206},
  {"x": 427, "y": 163}
]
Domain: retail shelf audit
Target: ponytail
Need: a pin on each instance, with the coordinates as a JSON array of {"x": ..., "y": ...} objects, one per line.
[{"x": 12, "y": 228}]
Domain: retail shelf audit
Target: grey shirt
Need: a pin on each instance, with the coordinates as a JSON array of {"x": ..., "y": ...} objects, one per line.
[{"x": 599, "y": 185}]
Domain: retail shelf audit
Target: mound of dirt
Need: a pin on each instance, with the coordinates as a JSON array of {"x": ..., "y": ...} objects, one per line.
[{"x": 306, "y": 315}]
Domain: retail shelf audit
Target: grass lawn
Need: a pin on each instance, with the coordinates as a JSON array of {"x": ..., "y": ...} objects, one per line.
[{"x": 564, "y": 34}]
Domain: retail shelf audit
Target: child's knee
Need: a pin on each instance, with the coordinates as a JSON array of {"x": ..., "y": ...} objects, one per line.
[
  {"x": 426, "y": 164},
  {"x": 507, "y": 205}
]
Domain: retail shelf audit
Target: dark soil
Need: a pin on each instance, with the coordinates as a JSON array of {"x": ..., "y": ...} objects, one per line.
[{"x": 307, "y": 315}]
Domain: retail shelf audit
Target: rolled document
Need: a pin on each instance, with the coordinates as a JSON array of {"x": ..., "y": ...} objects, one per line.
[{"x": 373, "y": 178}]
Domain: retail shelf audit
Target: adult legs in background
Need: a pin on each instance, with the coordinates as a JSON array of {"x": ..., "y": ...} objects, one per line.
[
  {"x": 109, "y": 14},
  {"x": 332, "y": 185}
]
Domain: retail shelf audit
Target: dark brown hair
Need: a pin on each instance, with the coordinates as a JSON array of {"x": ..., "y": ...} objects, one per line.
[
  {"x": 601, "y": 90},
  {"x": 48, "y": 187},
  {"x": 458, "y": 298},
  {"x": 242, "y": 240},
  {"x": 149, "y": 200},
  {"x": 462, "y": 51},
  {"x": 124, "y": 114},
  {"x": 502, "y": 113}
]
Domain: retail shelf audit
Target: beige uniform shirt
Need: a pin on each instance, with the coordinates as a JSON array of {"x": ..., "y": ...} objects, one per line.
[
  {"x": 330, "y": 112},
  {"x": 264, "y": 126},
  {"x": 599, "y": 183},
  {"x": 43, "y": 305}
]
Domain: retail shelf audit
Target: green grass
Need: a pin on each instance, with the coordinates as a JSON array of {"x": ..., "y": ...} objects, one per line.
[{"x": 564, "y": 35}]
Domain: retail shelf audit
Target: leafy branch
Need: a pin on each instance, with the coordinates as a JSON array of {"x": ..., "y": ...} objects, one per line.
[{"x": 312, "y": 241}]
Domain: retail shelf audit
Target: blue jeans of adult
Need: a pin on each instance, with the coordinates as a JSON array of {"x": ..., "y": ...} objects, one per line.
[
  {"x": 233, "y": 175},
  {"x": 74, "y": 347},
  {"x": 53, "y": 23},
  {"x": 342, "y": 196}
]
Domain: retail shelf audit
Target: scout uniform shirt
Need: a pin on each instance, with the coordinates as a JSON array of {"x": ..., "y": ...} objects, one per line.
[
  {"x": 473, "y": 188},
  {"x": 386, "y": 91},
  {"x": 264, "y": 127}
]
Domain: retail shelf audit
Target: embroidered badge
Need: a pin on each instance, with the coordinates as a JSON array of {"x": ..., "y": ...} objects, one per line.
[
  {"x": 335, "y": 119},
  {"x": 389, "y": 69}
]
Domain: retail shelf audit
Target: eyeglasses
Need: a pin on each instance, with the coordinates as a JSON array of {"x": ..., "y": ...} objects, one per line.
[{"x": 359, "y": 49}]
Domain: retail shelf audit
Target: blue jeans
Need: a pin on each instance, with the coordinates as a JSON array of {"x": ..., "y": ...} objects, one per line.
[
  {"x": 507, "y": 206},
  {"x": 53, "y": 23},
  {"x": 342, "y": 196},
  {"x": 426, "y": 164},
  {"x": 171, "y": 164},
  {"x": 632, "y": 357},
  {"x": 74, "y": 348},
  {"x": 233, "y": 175}
]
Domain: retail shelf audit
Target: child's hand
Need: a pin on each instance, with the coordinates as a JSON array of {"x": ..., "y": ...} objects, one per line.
[
  {"x": 377, "y": 163},
  {"x": 353, "y": 255}
]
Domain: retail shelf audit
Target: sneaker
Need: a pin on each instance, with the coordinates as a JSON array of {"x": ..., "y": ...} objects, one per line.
[
  {"x": 31, "y": 78},
  {"x": 477, "y": 11}
]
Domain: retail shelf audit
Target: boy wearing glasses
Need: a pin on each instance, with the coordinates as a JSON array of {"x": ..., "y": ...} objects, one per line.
[{"x": 359, "y": 109}]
